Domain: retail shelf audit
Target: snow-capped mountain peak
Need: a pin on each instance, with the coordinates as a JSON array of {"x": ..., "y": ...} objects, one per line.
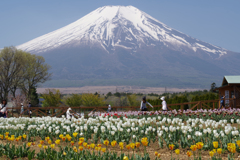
[{"x": 119, "y": 26}]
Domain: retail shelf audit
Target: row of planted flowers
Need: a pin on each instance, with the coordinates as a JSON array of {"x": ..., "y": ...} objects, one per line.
[
  {"x": 159, "y": 129},
  {"x": 215, "y": 114},
  {"x": 83, "y": 150}
]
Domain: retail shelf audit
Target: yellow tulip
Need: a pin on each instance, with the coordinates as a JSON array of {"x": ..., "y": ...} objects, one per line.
[
  {"x": 40, "y": 146},
  {"x": 156, "y": 153},
  {"x": 219, "y": 150},
  {"x": 199, "y": 145},
  {"x": 238, "y": 143},
  {"x": 138, "y": 144},
  {"x": 57, "y": 141},
  {"x": 24, "y": 136},
  {"x": 52, "y": 146},
  {"x": 121, "y": 145},
  {"x": 171, "y": 146},
  {"x": 113, "y": 143},
  {"x": 189, "y": 153},
  {"x": 75, "y": 149},
  {"x": 193, "y": 148},
  {"x": 215, "y": 144},
  {"x": 41, "y": 141},
  {"x": 125, "y": 158},
  {"x": 75, "y": 134},
  {"x": 144, "y": 141},
  {"x": 214, "y": 150},
  {"x": 49, "y": 141},
  {"x": 103, "y": 149},
  {"x": 211, "y": 153},
  {"x": 92, "y": 145},
  {"x": 177, "y": 151},
  {"x": 80, "y": 148},
  {"x": 106, "y": 142},
  {"x": 60, "y": 136},
  {"x": 132, "y": 145},
  {"x": 29, "y": 144},
  {"x": 64, "y": 153}
]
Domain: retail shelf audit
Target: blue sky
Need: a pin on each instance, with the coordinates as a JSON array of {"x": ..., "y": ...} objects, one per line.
[{"x": 213, "y": 21}]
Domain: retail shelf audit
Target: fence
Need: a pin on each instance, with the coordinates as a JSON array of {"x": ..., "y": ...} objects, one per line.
[{"x": 80, "y": 111}]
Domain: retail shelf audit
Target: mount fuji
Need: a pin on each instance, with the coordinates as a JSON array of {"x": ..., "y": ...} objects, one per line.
[{"x": 123, "y": 45}]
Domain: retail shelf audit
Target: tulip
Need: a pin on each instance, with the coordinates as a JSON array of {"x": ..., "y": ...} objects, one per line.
[
  {"x": 29, "y": 144},
  {"x": 106, "y": 142},
  {"x": 40, "y": 145},
  {"x": 75, "y": 134},
  {"x": 211, "y": 153},
  {"x": 41, "y": 141},
  {"x": 121, "y": 145},
  {"x": 177, "y": 151},
  {"x": 171, "y": 146},
  {"x": 138, "y": 144},
  {"x": 189, "y": 153},
  {"x": 104, "y": 150},
  {"x": 219, "y": 150},
  {"x": 80, "y": 148},
  {"x": 125, "y": 158},
  {"x": 113, "y": 143},
  {"x": 215, "y": 144},
  {"x": 52, "y": 146}
]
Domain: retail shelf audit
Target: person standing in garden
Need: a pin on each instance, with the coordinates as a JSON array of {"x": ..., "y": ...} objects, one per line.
[
  {"x": 222, "y": 104},
  {"x": 143, "y": 106},
  {"x": 68, "y": 114},
  {"x": 3, "y": 111},
  {"x": 22, "y": 109},
  {"x": 109, "y": 108},
  {"x": 164, "y": 104}
]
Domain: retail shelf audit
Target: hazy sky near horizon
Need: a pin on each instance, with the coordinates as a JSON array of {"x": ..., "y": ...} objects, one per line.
[{"x": 213, "y": 21}]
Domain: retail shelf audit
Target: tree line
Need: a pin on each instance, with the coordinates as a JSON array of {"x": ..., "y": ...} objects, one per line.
[{"x": 21, "y": 72}]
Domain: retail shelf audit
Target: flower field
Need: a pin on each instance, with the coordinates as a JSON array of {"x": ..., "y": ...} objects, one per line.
[{"x": 197, "y": 134}]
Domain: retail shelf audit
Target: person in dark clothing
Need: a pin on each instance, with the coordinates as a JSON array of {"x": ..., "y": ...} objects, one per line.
[
  {"x": 3, "y": 107},
  {"x": 222, "y": 104},
  {"x": 143, "y": 106}
]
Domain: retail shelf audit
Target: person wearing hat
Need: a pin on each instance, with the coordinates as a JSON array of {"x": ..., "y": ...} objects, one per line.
[
  {"x": 143, "y": 106},
  {"x": 22, "y": 109},
  {"x": 164, "y": 104},
  {"x": 68, "y": 114}
]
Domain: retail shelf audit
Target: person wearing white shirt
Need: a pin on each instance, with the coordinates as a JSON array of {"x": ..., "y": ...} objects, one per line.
[
  {"x": 143, "y": 106},
  {"x": 109, "y": 108},
  {"x": 68, "y": 114},
  {"x": 164, "y": 104}
]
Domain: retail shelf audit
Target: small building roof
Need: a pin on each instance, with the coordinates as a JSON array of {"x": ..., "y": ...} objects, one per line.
[{"x": 231, "y": 80}]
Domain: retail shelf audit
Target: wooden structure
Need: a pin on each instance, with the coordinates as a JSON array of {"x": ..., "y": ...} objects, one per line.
[
  {"x": 230, "y": 89},
  {"x": 84, "y": 111}
]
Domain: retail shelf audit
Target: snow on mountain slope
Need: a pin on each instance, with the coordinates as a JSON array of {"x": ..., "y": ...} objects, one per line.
[{"x": 118, "y": 26}]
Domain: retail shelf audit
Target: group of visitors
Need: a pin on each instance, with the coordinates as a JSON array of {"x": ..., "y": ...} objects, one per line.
[
  {"x": 144, "y": 102},
  {"x": 143, "y": 107}
]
